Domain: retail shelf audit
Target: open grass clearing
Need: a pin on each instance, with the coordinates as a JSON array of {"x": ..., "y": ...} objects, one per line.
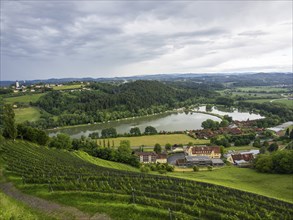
[
  {"x": 279, "y": 186},
  {"x": 27, "y": 114},
  {"x": 287, "y": 102},
  {"x": 66, "y": 87},
  {"x": 261, "y": 89},
  {"x": 240, "y": 148},
  {"x": 151, "y": 140},
  {"x": 104, "y": 163},
  {"x": 23, "y": 98}
]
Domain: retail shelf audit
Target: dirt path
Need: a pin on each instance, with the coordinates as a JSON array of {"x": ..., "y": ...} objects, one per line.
[{"x": 48, "y": 207}]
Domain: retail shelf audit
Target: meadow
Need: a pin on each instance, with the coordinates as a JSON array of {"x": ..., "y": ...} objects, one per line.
[
  {"x": 267, "y": 89},
  {"x": 104, "y": 163},
  {"x": 67, "y": 87},
  {"x": 27, "y": 114},
  {"x": 23, "y": 98},
  {"x": 279, "y": 186},
  {"x": 151, "y": 140}
]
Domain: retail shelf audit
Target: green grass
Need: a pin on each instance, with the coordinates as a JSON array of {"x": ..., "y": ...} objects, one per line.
[
  {"x": 66, "y": 87},
  {"x": 288, "y": 103},
  {"x": 24, "y": 98},
  {"x": 26, "y": 114},
  {"x": 104, "y": 163},
  {"x": 240, "y": 148},
  {"x": 261, "y": 89},
  {"x": 279, "y": 186},
  {"x": 12, "y": 209},
  {"x": 151, "y": 140},
  {"x": 260, "y": 101}
]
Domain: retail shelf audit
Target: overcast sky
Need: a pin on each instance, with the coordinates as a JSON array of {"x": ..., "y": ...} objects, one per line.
[{"x": 46, "y": 39}]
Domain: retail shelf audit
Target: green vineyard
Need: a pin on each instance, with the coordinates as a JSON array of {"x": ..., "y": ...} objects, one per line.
[{"x": 61, "y": 171}]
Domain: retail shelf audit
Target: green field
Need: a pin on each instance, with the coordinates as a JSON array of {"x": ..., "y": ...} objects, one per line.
[
  {"x": 66, "y": 87},
  {"x": 151, "y": 140},
  {"x": 26, "y": 114},
  {"x": 288, "y": 103},
  {"x": 278, "y": 186},
  {"x": 105, "y": 163},
  {"x": 267, "y": 89},
  {"x": 24, "y": 98},
  {"x": 258, "y": 100},
  {"x": 240, "y": 148}
]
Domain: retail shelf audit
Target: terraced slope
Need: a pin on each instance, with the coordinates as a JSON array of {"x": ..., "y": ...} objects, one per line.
[{"x": 96, "y": 188}]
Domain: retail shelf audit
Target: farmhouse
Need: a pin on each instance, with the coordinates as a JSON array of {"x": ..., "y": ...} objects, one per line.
[
  {"x": 240, "y": 159},
  {"x": 151, "y": 157},
  {"x": 211, "y": 152}
]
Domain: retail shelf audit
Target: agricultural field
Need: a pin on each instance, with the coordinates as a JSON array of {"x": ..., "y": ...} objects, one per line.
[
  {"x": 62, "y": 177},
  {"x": 151, "y": 140},
  {"x": 27, "y": 114},
  {"x": 261, "y": 89},
  {"x": 67, "y": 87},
  {"x": 288, "y": 103},
  {"x": 279, "y": 186},
  {"x": 24, "y": 98}
]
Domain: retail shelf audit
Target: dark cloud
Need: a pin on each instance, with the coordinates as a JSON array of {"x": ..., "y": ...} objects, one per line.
[{"x": 42, "y": 39}]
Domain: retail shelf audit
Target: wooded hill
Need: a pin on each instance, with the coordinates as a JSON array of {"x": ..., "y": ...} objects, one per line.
[{"x": 111, "y": 101}]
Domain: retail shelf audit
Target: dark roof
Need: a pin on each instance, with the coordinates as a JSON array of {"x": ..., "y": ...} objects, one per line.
[
  {"x": 146, "y": 153},
  {"x": 246, "y": 157},
  {"x": 162, "y": 156},
  {"x": 197, "y": 158}
]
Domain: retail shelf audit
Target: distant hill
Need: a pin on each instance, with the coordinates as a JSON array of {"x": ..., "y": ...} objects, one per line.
[{"x": 275, "y": 77}]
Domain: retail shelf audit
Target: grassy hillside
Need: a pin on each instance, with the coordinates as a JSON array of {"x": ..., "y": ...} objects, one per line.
[
  {"x": 24, "y": 98},
  {"x": 104, "y": 163},
  {"x": 63, "y": 177},
  {"x": 151, "y": 140},
  {"x": 278, "y": 186},
  {"x": 67, "y": 87},
  {"x": 27, "y": 114}
]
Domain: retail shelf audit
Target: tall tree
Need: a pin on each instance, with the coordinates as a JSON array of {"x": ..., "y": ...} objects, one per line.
[
  {"x": 158, "y": 148},
  {"x": 9, "y": 127}
]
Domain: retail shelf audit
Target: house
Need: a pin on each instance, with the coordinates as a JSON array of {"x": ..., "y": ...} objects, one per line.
[
  {"x": 161, "y": 158},
  {"x": 147, "y": 157},
  {"x": 151, "y": 157},
  {"x": 241, "y": 159},
  {"x": 209, "y": 151}
]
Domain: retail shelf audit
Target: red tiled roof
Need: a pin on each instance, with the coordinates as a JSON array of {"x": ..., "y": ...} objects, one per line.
[{"x": 246, "y": 157}]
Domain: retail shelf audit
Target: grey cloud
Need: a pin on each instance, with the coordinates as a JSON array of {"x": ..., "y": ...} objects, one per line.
[{"x": 69, "y": 36}]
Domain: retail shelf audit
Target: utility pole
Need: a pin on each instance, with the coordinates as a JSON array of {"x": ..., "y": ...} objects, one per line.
[
  {"x": 133, "y": 198},
  {"x": 170, "y": 213}
]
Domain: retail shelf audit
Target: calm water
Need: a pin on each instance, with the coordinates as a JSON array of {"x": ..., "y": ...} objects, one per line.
[{"x": 162, "y": 122}]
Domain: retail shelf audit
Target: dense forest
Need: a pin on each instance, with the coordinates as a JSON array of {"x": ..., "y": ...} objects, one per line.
[{"x": 104, "y": 101}]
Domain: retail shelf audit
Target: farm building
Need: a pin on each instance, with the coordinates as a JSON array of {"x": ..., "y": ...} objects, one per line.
[{"x": 208, "y": 151}]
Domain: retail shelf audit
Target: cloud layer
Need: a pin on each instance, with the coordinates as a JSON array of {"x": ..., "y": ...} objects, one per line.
[{"x": 103, "y": 39}]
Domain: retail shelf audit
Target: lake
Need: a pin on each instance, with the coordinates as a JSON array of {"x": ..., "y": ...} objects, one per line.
[{"x": 163, "y": 122}]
